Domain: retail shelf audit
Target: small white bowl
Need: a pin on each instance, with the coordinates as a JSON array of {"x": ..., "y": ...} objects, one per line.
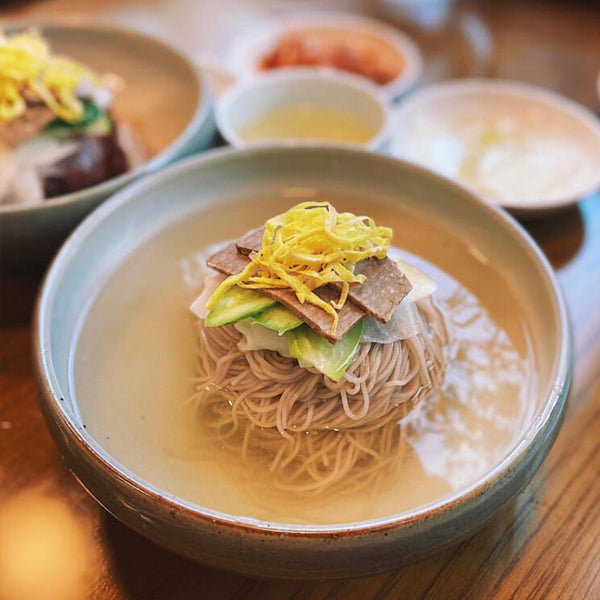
[
  {"x": 249, "y": 100},
  {"x": 249, "y": 47},
  {"x": 425, "y": 127}
]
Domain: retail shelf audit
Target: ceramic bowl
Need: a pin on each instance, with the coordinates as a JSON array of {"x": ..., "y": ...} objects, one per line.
[
  {"x": 254, "y": 42},
  {"x": 252, "y": 99},
  {"x": 218, "y": 75},
  {"x": 164, "y": 99},
  {"x": 210, "y": 192},
  {"x": 424, "y": 130}
]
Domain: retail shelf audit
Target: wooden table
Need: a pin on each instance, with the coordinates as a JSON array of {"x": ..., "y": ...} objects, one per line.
[{"x": 546, "y": 544}]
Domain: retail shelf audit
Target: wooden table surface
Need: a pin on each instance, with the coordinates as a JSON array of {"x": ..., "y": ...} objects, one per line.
[{"x": 57, "y": 543}]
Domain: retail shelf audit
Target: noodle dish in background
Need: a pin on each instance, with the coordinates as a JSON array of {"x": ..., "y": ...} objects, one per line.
[
  {"x": 84, "y": 109},
  {"x": 57, "y": 133}
]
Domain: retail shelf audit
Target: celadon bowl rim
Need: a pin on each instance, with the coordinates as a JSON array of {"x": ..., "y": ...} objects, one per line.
[
  {"x": 51, "y": 392},
  {"x": 162, "y": 158}
]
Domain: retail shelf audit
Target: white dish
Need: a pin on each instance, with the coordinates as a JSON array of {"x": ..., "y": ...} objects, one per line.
[
  {"x": 517, "y": 145},
  {"x": 252, "y": 99},
  {"x": 253, "y": 43}
]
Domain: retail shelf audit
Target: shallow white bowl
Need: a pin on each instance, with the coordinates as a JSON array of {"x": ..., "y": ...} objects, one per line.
[
  {"x": 472, "y": 99},
  {"x": 251, "y": 99},
  {"x": 164, "y": 99},
  {"x": 253, "y": 43},
  {"x": 190, "y": 192}
]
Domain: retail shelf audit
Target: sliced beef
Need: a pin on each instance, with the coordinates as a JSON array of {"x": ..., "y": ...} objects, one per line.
[
  {"x": 231, "y": 262},
  {"x": 99, "y": 158},
  {"x": 251, "y": 241},
  {"x": 385, "y": 287},
  {"x": 378, "y": 296},
  {"x": 228, "y": 261},
  {"x": 316, "y": 317}
]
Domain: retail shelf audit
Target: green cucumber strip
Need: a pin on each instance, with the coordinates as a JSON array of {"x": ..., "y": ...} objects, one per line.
[
  {"x": 102, "y": 126},
  {"x": 91, "y": 116},
  {"x": 236, "y": 304},
  {"x": 278, "y": 318},
  {"x": 330, "y": 359}
]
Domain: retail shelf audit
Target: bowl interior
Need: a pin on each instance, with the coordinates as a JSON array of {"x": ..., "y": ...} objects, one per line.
[
  {"x": 434, "y": 119},
  {"x": 160, "y": 93},
  {"x": 200, "y": 201},
  {"x": 273, "y": 92}
]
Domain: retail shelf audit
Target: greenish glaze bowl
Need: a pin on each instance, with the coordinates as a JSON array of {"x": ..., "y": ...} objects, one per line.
[
  {"x": 164, "y": 99},
  {"x": 189, "y": 190}
]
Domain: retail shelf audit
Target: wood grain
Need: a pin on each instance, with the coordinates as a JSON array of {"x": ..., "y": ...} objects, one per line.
[{"x": 545, "y": 545}]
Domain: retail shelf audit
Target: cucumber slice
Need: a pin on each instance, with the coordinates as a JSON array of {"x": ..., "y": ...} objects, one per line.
[
  {"x": 101, "y": 126},
  {"x": 331, "y": 360},
  {"x": 93, "y": 122},
  {"x": 236, "y": 304},
  {"x": 278, "y": 318}
]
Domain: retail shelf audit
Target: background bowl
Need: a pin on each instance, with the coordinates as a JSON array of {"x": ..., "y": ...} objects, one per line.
[
  {"x": 249, "y": 47},
  {"x": 192, "y": 191},
  {"x": 529, "y": 107},
  {"x": 252, "y": 99},
  {"x": 165, "y": 101}
]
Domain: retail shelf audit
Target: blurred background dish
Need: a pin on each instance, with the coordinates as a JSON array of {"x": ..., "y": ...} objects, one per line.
[
  {"x": 161, "y": 96},
  {"x": 302, "y": 106},
  {"x": 330, "y": 40},
  {"x": 217, "y": 73},
  {"x": 520, "y": 146}
]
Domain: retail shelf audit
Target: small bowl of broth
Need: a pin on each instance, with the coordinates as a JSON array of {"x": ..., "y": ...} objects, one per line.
[{"x": 304, "y": 106}]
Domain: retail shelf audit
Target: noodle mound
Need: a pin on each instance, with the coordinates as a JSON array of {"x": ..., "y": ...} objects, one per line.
[{"x": 307, "y": 431}]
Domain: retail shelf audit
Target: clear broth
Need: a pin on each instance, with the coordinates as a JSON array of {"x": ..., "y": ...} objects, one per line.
[
  {"x": 134, "y": 360},
  {"x": 309, "y": 122}
]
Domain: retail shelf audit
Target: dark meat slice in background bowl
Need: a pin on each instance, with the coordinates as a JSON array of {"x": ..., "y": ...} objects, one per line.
[{"x": 98, "y": 158}]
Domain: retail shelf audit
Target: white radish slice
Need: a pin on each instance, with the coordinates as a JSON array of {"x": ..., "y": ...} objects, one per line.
[
  {"x": 257, "y": 337},
  {"x": 423, "y": 285}
]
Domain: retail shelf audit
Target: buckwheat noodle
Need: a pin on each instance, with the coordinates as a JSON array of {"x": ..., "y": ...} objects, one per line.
[{"x": 308, "y": 433}]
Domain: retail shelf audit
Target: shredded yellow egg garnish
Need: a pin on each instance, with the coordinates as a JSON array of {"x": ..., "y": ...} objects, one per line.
[
  {"x": 307, "y": 247},
  {"x": 29, "y": 71}
]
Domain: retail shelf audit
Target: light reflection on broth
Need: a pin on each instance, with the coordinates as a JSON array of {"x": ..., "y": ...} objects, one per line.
[{"x": 133, "y": 365}]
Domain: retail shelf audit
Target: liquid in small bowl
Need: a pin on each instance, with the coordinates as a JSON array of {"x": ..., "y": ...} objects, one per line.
[
  {"x": 304, "y": 105},
  {"x": 307, "y": 121}
]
